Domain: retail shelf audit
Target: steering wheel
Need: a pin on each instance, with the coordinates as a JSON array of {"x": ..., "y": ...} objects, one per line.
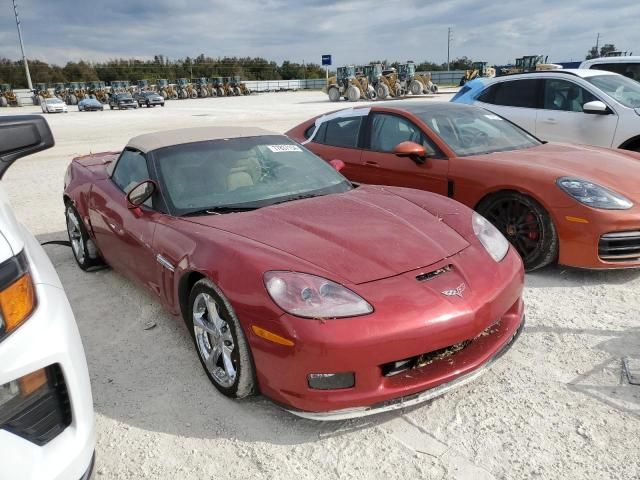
[{"x": 477, "y": 137}]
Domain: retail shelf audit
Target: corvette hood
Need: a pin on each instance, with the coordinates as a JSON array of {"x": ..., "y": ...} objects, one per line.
[
  {"x": 616, "y": 169},
  {"x": 363, "y": 235}
]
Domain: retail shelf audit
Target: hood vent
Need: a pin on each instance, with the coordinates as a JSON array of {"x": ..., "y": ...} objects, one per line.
[{"x": 423, "y": 277}]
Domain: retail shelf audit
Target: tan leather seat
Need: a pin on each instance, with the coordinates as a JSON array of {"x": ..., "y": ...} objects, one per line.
[{"x": 237, "y": 178}]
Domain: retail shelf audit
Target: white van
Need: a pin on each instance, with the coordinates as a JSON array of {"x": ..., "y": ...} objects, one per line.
[{"x": 629, "y": 66}]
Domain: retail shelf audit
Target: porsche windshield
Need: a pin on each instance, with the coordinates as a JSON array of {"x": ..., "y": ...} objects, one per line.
[
  {"x": 242, "y": 173},
  {"x": 475, "y": 131}
]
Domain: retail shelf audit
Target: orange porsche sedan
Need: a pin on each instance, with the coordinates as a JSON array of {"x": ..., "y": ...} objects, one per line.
[{"x": 576, "y": 205}]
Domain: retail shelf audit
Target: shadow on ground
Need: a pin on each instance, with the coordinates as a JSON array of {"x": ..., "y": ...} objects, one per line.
[{"x": 556, "y": 276}]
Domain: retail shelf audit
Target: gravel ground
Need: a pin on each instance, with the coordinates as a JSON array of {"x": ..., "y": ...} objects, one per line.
[{"x": 557, "y": 406}]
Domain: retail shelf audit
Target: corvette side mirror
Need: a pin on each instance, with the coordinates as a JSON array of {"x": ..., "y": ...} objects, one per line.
[
  {"x": 141, "y": 193},
  {"x": 337, "y": 164},
  {"x": 413, "y": 150},
  {"x": 596, "y": 107}
]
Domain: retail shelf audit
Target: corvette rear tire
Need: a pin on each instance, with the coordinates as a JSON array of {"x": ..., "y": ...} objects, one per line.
[
  {"x": 84, "y": 250},
  {"x": 527, "y": 226},
  {"x": 220, "y": 342}
]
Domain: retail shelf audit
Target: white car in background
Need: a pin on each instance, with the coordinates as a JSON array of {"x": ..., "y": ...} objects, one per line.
[
  {"x": 591, "y": 107},
  {"x": 53, "y": 105},
  {"x": 46, "y": 410},
  {"x": 629, "y": 66}
]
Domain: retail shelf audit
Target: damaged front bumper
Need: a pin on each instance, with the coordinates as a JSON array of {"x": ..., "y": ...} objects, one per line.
[{"x": 411, "y": 400}]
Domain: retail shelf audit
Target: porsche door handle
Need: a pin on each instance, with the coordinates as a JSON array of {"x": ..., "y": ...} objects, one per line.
[
  {"x": 550, "y": 120},
  {"x": 371, "y": 164}
]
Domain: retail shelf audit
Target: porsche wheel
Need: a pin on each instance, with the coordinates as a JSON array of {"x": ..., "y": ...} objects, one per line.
[
  {"x": 84, "y": 250},
  {"x": 527, "y": 226},
  {"x": 220, "y": 341}
]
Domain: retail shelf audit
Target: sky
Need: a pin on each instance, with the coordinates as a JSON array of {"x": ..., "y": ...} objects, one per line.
[{"x": 353, "y": 31}]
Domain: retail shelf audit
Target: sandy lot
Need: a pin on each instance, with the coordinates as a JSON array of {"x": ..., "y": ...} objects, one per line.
[{"x": 555, "y": 407}]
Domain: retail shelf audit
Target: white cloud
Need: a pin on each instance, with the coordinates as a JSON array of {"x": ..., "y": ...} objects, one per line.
[{"x": 354, "y": 31}]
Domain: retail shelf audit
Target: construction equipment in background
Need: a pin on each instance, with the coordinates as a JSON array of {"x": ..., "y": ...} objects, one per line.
[
  {"x": 185, "y": 89},
  {"x": 217, "y": 87},
  {"x": 389, "y": 85},
  {"x": 75, "y": 92},
  {"x": 478, "y": 69},
  {"x": 143, "y": 85},
  {"x": 99, "y": 91},
  {"x": 367, "y": 78},
  {"x": 530, "y": 63},
  {"x": 344, "y": 84},
  {"x": 226, "y": 85},
  {"x": 166, "y": 89},
  {"x": 202, "y": 86},
  {"x": 40, "y": 93},
  {"x": 119, "y": 86},
  {"x": 414, "y": 83},
  {"x": 239, "y": 87},
  {"x": 60, "y": 91},
  {"x": 7, "y": 96}
]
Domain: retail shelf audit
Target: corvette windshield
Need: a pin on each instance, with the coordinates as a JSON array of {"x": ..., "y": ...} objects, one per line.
[
  {"x": 475, "y": 131},
  {"x": 242, "y": 173},
  {"x": 622, "y": 89}
]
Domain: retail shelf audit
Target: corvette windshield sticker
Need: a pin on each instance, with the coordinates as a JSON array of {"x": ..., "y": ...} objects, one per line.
[{"x": 284, "y": 148}]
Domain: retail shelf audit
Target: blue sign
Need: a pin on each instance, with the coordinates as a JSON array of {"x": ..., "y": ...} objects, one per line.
[{"x": 326, "y": 59}]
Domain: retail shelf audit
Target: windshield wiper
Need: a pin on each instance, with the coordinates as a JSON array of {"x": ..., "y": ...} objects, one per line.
[
  {"x": 218, "y": 210},
  {"x": 297, "y": 197}
]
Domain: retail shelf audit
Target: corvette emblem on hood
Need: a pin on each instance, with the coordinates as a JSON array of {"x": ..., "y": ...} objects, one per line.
[{"x": 455, "y": 292}]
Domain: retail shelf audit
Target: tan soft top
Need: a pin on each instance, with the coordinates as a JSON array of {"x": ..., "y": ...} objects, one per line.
[{"x": 153, "y": 141}]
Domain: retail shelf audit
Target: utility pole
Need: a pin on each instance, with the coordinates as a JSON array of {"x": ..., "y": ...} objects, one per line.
[
  {"x": 597, "y": 45},
  {"x": 448, "y": 46},
  {"x": 24, "y": 57}
]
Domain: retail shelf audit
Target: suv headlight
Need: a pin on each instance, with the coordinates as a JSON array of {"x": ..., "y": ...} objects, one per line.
[
  {"x": 490, "y": 237},
  {"x": 310, "y": 296},
  {"x": 17, "y": 294},
  {"x": 592, "y": 194}
]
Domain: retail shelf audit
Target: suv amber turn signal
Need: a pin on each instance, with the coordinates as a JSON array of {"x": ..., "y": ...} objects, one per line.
[{"x": 17, "y": 294}]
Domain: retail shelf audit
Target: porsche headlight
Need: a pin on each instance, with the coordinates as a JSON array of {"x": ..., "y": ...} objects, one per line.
[
  {"x": 592, "y": 194},
  {"x": 310, "y": 296},
  {"x": 490, "y": 237}
]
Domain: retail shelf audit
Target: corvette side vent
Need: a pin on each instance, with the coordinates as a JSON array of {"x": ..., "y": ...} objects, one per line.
[{"x": 423, "y": 277}]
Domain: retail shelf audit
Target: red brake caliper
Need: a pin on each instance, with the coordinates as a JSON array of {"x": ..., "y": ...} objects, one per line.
[{"x": 532, "y": 225}]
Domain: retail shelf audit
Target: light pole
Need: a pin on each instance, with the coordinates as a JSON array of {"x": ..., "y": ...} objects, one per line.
[
  {"x": 448, "y": 46},
  {"x": 24, "y": 57}
]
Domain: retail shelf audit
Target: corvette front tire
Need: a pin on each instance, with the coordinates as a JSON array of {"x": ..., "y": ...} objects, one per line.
[
  {"x": 84, "y": 250},
  {"x": 220, "y": 342}
]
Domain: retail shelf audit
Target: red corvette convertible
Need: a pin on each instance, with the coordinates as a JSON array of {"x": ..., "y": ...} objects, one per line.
[{"x": 335, "y": 300}]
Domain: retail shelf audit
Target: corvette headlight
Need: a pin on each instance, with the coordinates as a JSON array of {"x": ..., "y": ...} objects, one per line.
[
  {"x": 311, "y": 296},
  {"x": 490, "y": 237},
  {"x": 593, "y": 195}
]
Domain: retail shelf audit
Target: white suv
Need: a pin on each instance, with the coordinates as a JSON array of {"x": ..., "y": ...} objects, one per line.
[
  {"x": 46, "y": 409},
  {"x": 578, "y": 106}
]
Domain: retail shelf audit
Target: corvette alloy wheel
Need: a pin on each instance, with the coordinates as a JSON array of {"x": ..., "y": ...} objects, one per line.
[
  {"x": 84, "y": 250},
  {"x": 75, "y": 236},
  {"x": 214, "y": 340},
  {"x": 218, "y": 336}
]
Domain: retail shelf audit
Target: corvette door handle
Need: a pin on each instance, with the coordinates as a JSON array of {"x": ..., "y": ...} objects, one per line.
[{"x": 370, "y": 163}]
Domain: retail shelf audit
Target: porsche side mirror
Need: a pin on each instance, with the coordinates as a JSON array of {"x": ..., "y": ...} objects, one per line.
[
  {"x": 141, "y": 193},
  {"x": 337, "y": 164},
  {"x": 596, "y": 108},
  {"x": 22, "y": 135},
  {"x": 413, "y": 150}
]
